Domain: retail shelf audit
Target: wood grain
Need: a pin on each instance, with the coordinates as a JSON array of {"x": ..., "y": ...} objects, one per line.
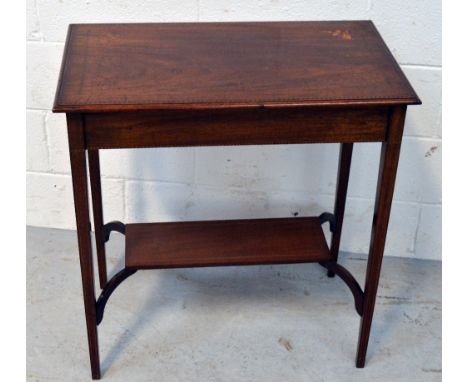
[
  {"x": 225, "y": 242},
  {"x": 115, "y": 67},
  {"x": 80, "y": 196},
  {"x": 344, "y": 168},
  {"x": 176, "y": 128},
  {"x": 96, "y": 196},
  {"x": 389, "y": 156}
]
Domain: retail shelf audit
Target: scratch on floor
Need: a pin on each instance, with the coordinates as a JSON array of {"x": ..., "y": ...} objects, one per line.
[
  {"x": 396, "y": 298},
  {"x": 432, "y": 370},
  {"x": 431, "y": 151},
  {"x": 412, "y": 320},
  {"x": 287, "y": 345}
]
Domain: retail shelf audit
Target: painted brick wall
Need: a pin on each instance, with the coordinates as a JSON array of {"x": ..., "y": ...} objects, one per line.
[{"x": 241, "y": 182}]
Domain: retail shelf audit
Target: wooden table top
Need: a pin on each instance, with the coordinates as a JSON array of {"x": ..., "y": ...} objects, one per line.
[{"x": 120, "y": 67}]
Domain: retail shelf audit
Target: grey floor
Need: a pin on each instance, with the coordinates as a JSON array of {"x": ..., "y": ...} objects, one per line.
[{"x": 262, "y": 323}]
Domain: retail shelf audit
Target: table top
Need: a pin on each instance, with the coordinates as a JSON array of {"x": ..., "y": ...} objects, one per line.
[{"x": 122, "y": 67}]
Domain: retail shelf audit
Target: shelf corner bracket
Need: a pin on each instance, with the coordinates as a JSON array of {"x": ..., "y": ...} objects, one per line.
[{"x": 108, "y": 289}]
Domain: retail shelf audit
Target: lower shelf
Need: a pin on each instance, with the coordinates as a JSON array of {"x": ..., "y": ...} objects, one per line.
[{"x": 225, "y": 242}]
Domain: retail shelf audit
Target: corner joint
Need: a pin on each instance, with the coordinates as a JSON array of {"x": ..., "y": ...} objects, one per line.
[
  {"x": 330, "y": 218},
  {"x": 113, "y": 283},
  {"x": 112, "y": 226},
  {"x": 350, "y": 281}
]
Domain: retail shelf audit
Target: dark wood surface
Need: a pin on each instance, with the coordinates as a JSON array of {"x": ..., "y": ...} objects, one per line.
[
  {"x": 344, "y": 168},
  {"x": 225, "y": 242},
  {"x": 115, "y": 67},
  {"x": 389, "y": 156},
  {"x": 176, "y": 128},
  {"x": 96, "y": 194},
  {"x": 80, "y": 194}
]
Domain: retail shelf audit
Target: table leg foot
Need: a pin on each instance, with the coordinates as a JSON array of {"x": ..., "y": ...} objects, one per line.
[
  {"x": 96, "y": 374},
  {"x": 360, "y": 363},
  {"x": 364, "y": 334}
]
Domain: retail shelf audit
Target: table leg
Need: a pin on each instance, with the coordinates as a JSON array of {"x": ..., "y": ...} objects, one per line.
[
  {"x": 389, "y": 156},
  {"x": 80, "y": 193},
  {"x": 344, "y": 166},
  {"x": 96, "y": 194}
]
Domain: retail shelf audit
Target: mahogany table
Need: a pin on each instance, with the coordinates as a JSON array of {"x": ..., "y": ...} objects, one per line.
[{"x": 208, "y": 84}]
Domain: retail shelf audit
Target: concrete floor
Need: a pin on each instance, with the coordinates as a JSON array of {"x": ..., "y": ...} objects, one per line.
[{"x": 261, "y": 323}]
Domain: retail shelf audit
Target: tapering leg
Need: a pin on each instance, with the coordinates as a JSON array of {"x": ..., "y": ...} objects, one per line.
[
  {"x": 96, "y": 193},
  {"x": 344, "y": 166},
  {"x": 389, "y": 156},
  {"x": 80, "y": 193}
]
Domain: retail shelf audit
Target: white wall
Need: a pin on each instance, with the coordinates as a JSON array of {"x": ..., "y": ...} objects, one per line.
[{"x": 236, "y": 182}]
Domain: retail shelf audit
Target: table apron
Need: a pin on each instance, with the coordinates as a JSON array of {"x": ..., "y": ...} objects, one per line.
[{"x": 257, "y": 126}]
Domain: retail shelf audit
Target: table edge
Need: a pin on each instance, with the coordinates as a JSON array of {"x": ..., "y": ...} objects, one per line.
[{"x": 111, "y": 108}]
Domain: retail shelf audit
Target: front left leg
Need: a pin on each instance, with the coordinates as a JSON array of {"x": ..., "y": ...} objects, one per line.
[{"x": 80, "y": 194}]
